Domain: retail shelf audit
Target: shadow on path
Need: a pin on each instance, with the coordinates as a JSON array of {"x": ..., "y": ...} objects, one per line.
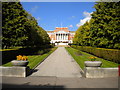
[
  {"x": 49, "y": 87},
  {"x": 26, "y": 85}
]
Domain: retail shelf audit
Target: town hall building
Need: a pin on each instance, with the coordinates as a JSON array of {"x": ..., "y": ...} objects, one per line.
[{"x": 61, "y": 36}]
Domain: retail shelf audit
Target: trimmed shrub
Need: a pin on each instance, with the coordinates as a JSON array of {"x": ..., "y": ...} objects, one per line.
[
  {"x": 108, "y": 54},
  {"x": 10, "y": 54}
]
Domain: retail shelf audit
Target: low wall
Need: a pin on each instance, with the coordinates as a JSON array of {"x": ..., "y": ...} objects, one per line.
[
  {"x": 14, "y": 71},
  {"x": 98, "y": 72}
]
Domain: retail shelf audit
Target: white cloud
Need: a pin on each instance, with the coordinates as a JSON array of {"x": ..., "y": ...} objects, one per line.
[
  {"x": 71, "y": 26},
  {"x": 73, "y": 16},
  {"x": 34, "y": 8},
  {"x": 38, "y": 18},
  {"x": 87, "y": 16}
]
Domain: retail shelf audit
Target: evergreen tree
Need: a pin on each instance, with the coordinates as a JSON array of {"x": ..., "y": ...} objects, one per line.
[
  {"x": 105, "y": 28},
  {"x": 44, "y": 35},
  {"x": 82, "y": 35},
  {"x": 20, "y": 28},
  {"x": 13, "y": 21}
]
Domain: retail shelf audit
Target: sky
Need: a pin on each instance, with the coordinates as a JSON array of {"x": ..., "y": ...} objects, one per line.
[{"x": 60, "y": 14}]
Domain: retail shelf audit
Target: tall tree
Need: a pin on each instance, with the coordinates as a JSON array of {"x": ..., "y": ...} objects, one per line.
[
  {"x": 82, "y": 35},
  {"x": 105, "y": 28},
  {"x": 44, "y": 35},
  {"x": 13, "y": 21},
  {"x": 20, "y": 28}
]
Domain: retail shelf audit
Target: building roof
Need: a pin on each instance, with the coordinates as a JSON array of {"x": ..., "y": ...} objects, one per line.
[
  {"x": 61, "y": 29},
  {"x": 72, "y": 31},
  {"x": 50, "y": 31}
]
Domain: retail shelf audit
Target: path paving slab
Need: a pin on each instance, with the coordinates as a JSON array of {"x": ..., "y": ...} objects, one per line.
[
  {"x": 59, "y": 64},
  {"x": 59, "y": 82},
  {"x": 88, "y": 83}
]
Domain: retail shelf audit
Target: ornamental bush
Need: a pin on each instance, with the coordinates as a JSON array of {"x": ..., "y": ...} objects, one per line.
[
  {"x": 10, "y": 54},
  {"x": 108, "y": 54}
]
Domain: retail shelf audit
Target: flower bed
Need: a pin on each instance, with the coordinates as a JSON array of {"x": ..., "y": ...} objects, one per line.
[
  {"x": 34, "y": 60},
  {"x": 10, "y": 54},
  {"x": 21, "y": 61}
]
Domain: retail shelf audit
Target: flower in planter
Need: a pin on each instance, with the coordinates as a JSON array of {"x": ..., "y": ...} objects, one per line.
[
  {"x": 23, "y": 58},
  {"x": 93, "y": 58}
]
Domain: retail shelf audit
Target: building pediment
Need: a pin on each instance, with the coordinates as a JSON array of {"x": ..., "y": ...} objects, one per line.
[
  {"x": 57, "y": 29},
  {"x": 61, "y": 32}
]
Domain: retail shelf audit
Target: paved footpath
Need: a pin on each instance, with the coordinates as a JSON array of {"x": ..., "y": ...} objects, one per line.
[
  {"x": 59, "y": 64},
  {"x": 59, "y": 70}
]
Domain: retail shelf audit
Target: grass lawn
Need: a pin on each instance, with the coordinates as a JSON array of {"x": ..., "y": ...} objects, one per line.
[
  {"x": 34, "y": 60},
  {"x": 80, "y": 57}
]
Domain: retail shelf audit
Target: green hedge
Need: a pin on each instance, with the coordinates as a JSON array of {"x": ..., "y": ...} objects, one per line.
[
  {"x": 10, "y": 54},
  {"x": 108, "y": 54}
]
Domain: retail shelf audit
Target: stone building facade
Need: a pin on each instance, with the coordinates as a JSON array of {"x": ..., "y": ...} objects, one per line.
[{"x": 61, "y": 36}]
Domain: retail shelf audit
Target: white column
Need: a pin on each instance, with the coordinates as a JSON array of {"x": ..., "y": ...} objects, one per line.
[
  {"x": 62, "y": 36},
  {"x": 67, "y": 36},
  {"x": 57, "y": 36}
]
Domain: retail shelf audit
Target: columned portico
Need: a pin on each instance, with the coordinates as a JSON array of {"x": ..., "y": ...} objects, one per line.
[{"x": 61, "y": 36}]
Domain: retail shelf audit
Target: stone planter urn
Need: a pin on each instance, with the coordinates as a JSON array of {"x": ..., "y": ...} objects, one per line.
[
  {"x": 20, "y": 63},
  {"x": 93, "y": 63}
]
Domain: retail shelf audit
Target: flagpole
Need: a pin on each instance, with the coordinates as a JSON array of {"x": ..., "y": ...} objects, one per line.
[{"x": 61, "y": 25}]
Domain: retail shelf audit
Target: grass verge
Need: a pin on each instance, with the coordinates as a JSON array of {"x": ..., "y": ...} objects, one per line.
[
  {"x": 34, "y": 60},
  {"x": 80, "y": 57}
]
